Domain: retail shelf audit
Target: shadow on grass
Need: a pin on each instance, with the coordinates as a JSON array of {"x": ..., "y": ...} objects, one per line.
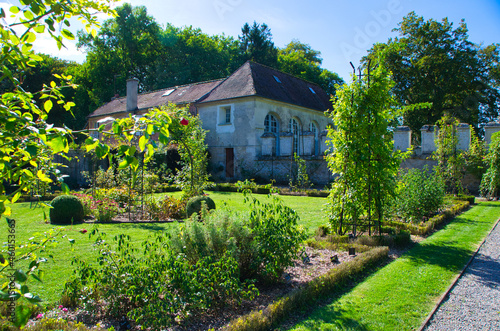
[
  {"x": 324, "y": 311},
  {"x": 443, "y": 255},
  {"x": 333, "y": 318},
  {"x": 146, "y": 226}
]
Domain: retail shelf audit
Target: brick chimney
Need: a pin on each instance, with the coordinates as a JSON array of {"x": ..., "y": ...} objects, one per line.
[{"x": 132, "y": 91}]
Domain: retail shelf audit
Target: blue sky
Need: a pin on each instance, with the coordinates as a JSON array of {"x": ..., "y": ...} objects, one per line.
[{"x": 341, "y": 30}]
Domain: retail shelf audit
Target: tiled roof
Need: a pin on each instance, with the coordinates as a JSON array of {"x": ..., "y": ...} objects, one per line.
[
  {"x": 179, "y": 95},
  {"x": 251, "y": 79}
]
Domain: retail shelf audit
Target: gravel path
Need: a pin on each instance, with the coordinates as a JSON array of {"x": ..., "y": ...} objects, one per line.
[{"x": 474, "y": 301}]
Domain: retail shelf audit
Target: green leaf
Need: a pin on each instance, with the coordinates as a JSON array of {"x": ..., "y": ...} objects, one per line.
[
  {"x": 32, "y": 298},
  {"x": 4, "y": 296},
  {"x": 142, "y": 143},
  {"x": 23, "y": 314},
  {"x": 150, "y": 129},
  {"x": 39, "y": 28},
  {"x": 65, "y": 188},
  {"x": 20, "y": 276},
  {"x": 48, "y": 105},
  {"x": 30, "y": 38},
  {"x": 14, "y": 9},
  {"x": 25, "y": 289},
  {"x": 16, "y": 197},
  {"x": 67, "y": 34},
  {"x": 58, "y": 144}
]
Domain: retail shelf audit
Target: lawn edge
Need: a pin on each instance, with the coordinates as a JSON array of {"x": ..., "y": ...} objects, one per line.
[{"x": 455, "y": 280}]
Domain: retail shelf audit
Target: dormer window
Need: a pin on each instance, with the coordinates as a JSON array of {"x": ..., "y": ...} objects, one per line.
[{"x": 168, "y": 92}]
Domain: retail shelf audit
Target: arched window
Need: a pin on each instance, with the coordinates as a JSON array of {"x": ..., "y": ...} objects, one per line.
[
  {"x": 270, "y": 124},
  {"x": 293, "y": 127},
  {"x": 314, "y": 129}
]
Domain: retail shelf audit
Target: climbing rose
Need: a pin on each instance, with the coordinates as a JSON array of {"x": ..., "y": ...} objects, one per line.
[{"x": 184, "y": 121}]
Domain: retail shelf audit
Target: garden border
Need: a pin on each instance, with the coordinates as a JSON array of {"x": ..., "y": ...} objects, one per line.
[
  {"x": 278, "y": 310},
  {"x": 455, "y": 280}
]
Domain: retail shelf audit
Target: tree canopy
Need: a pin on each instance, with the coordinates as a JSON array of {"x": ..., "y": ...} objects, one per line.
[
  {"x": 433, "y": 62},
  {"x": 133, "y": 44}
]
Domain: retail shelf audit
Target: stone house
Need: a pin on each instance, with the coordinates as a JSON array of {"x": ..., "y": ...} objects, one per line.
[{"x": 256, "y": 119}]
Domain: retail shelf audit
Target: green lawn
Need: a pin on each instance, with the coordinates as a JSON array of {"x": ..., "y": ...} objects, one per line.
[
  {"x": 57, "y": 270},
  {"x": 402, "y": 294}
]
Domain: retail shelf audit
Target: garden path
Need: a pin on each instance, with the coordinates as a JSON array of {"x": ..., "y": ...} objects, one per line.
[{"x": 474, "y": 301}]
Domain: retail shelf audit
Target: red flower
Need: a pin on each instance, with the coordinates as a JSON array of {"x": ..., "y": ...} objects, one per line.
[
  {"x": 184, "y": 121},
  {"x": 83, "y": 231}
]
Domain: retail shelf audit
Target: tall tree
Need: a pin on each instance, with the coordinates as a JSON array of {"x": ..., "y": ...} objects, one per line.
[
  {"x": 432, "y": 62},
  {"x": 256, "y": 44},
  {"x": 126, "y": 46},
  {"x": 362, "y": 154},
  {"x": 304, "y": 62}
]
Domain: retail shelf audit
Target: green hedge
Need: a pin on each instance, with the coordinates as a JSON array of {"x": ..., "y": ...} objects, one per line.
[
  {"x": 332, "y": 281},
  {"x": 425, "y": 227}
]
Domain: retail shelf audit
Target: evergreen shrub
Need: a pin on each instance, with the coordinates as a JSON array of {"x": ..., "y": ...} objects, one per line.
[
  {"x": 194, "y": 204},
  {"x": 66, "y": 209}
]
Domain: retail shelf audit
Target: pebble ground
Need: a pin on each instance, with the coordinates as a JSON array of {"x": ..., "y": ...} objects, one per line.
[{"x": 474, "y": 302}]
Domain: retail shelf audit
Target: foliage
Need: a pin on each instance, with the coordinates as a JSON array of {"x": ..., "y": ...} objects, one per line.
[
  {"x": 302, "y": 61},
  {"x": 66, "y": 209},
  {"x": 278, "y": 236},
  {"x": 28, "y": 142},
  {"x": 194, "y": 205},
  {"x": 301, "y": 180},
  {"x": 451, "y": 161},
  {"x": 419, "y": 194},
  {"x": 490, "y": 185},
  {"x": 264, "y": 243},
  {"x": 475, "y": 156},
  {"x": 432, "y": 62},
  {"x": 165, "y": 209},
  {"x": 362, "y": 157},
  {"x": 256, "y": 44},
  {"x": 157, "y": 288},
  {"x": 134, "y": 44},
  {"x": 190, "y": 137}
]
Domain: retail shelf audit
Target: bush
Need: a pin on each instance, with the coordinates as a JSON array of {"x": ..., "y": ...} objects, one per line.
[
  {"x": 66, "y": 209},
  {"x": 166, "y": 209},
  {"x": 264, "y": 243},
  {"x": 420, "y": 193},
  {"x": 194, "y": 204},
  {"x": 155, "y": 289}
]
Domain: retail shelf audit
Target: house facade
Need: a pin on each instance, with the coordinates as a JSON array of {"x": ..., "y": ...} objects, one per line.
[{"x": 257, "y": 119}]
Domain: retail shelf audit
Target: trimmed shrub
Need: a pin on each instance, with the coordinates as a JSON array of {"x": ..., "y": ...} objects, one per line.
[
  {"x": 66, "y": 209},
  {"x": 194, "y": 204}
]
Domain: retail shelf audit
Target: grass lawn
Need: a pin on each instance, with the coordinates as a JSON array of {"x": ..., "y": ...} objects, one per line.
[
  {"x": 58, "y": 270},
  {"x": 402, "y": 294}
]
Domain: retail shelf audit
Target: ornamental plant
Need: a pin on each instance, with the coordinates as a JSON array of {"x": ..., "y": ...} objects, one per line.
[
  {"x": 490, "y": 184},
  {"x": 362, "y": 157}
]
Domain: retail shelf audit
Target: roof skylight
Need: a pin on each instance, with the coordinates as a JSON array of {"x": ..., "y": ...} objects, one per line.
[
  {"x": 277, "y": 79},
  {"x": 168, "y": 92},
  {"x": 310, "y": 88}
]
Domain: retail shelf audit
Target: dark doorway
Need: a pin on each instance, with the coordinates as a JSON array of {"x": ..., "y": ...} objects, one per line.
[{"x": 229, "y": 162}]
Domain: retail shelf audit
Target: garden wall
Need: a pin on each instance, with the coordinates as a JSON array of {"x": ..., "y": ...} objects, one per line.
[{"x": 78, "y": 161}]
